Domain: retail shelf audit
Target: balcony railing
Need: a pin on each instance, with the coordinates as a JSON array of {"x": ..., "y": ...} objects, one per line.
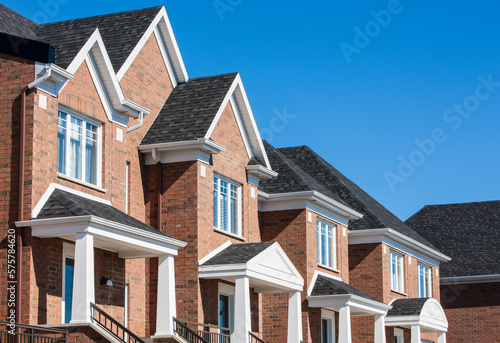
[
  {"x": 112, "y": 326},
  {"x": 31, "y": 334},
  {"x": 210, "y": 333},
  {"x": 253, "y": 338},
  {"x": 189, "y": 335}
]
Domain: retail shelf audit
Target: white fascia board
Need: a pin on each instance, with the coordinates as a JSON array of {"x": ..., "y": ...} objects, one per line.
[
  {"x": 261, "y": 172},
  {"x": 457, "y": 280},
  {"x": 366, "y": 305},
  {"x": 199, "y": 149},
  {"x": 391, "y": 236},
  {"x": 214, "y": 252},
  {"x": 50, "y": 78},
  {"x": 315, "y": 277},
  {"x": 307, "y": 199},
  {"x": 54, "y": 186},
  {"x": 246, "y": 123},
  {"x": 278, "y": 283},
  {"x": 409, "y": 321}
]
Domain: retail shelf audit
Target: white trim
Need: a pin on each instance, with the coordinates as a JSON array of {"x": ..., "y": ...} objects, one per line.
[
  {"x": 260, "y": 172},
  {"x": 166, "y": 57},
  {"x": 469, "y": 279},
  {"x": 50, "y": 78},
  {"x": 315, "y": 276},
  {"x": 432, "y": 318},
  {"x": 367, "y": 306},
  {"x": 398, "y": 241},
  {"x": 54, "y": 186},
  {"x": 238, "y": 222},
  {"x": 229, "y": 291},
  {"x": 239, "y": 121},
  {"x": 329, "y": 315},
  {"x": 214, "y": 252},
  {"x": 332, "y": 243},
  {"x": 200, "y": 149},
  {"x": 399, "y": 285},
  {"x": 162, "y": 23},
  {"x": 399, "y": 333}
]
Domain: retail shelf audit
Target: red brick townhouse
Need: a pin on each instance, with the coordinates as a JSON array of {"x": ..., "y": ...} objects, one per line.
[
  {"x": 368, "y": 276},
  {"x": 140, "y": 205},
  {"x": 470, "y": 282}
]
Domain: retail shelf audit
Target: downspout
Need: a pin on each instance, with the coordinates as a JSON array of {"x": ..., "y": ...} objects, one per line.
[
  {"x": 19, "y": 232},
  {"x": 160, "y": 186},
  {"x": 139, "y": 123}
]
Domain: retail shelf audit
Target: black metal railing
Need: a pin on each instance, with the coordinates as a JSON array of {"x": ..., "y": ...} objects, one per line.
[
  {"x": 189, "y": 335},
  {"x": 211, "y": 333},
  {"x": 31, "y": 334},
  {"x": 112, "y": 326},
  {"x": 253, "y": 338}
]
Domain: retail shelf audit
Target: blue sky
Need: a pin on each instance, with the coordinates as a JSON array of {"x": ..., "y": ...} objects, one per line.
[{"x": 403, "y": 97}]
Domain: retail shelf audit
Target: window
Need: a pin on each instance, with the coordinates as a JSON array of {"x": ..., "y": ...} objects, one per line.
[
  {"x": 226, "y": 205},
  {"x": 424, "y": 281},
  {"x": 327, "y": 326},
  {"x": 397, "y": 272},
  {"x": 78, "y": 148},
  {"x": 326, "y": 245},
  {"x": 399, "y": 336}
]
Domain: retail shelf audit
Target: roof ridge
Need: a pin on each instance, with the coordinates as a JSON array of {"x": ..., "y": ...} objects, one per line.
[
  {"x": 67, "y": 202},
  {"x": 210, "y": 76},
  {"x": 463, "y": 203}
]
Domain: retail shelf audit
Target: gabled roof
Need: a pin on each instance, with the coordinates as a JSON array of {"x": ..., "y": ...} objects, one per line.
[
  {"x": 469, "y": 233},
  {"x": 238, "y": 253},
  {"x": 328, "y": 286},
  {"x": 407, "y": 307},
  {"x": 189, "y": 110},
  {"x": 374, "y": 214},
  {"x": 14, "y": 24},
  {"x": 120, "y": 32},
  {"x": 65, "y": 204}
]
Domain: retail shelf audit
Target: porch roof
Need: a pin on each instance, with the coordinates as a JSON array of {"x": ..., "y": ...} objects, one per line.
[{"x": 424, "y": 312}]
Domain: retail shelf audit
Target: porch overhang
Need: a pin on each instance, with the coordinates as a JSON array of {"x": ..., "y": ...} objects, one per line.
[
  {"x": 268, "y": 271},
  {"x": 359, "y": 306},
  {"x": 429, "y": 316},
  {"x": 129, "y": 242}
]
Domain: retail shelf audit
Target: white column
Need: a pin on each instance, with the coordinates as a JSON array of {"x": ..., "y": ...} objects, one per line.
[
  {"x": 441, "y": 337},
  {"x": 379, "y": 328},
  {"x": 165, "y": 304},
  {"x": 83, "y": 280},
  {"x": 242, "y": 319},
  {"x": 345, "y": 324},
  {"x": 415, "y": 334},
  {"x": 294, "y": 317}
]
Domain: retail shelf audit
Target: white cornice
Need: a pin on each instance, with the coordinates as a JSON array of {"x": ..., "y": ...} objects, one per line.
[
  {"x": 388, "y": 236},
  {"x": 361, "y": 303},
  {"x": 261, "y": 172},
  {"x": 456, "y": 280},
  {"x": 50, "y": 78},
  {"x": 315, "y": 277}
]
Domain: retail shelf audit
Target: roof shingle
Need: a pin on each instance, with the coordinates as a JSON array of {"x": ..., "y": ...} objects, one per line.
[
  {"x": 238, "y": 253},
  {"x": 328, "y": 286}
]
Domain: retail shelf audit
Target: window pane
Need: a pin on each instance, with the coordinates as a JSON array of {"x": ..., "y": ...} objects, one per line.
[
  {"x": 91, "y": 153},
  {"x": 216, "y": 202},
  {"x": 224, "y": 205},
  {"x": 61, "y": 142},
  {"x": 234, "y": 210},
  {"x": 75, "y": 137},
  {"x": 318, "y": 240}
]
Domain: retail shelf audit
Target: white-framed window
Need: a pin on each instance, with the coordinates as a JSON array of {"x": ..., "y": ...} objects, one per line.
[
  {"x": 399, "y": 336},
  {"x": 327, "y": 326},
  {"x": 424, "y": 281},
  {"x": 79, "y": 147},
  {"x": 326, "y": 243},
  {"x": 397, "y": 272},
  {"x": 227, "y": 205}
]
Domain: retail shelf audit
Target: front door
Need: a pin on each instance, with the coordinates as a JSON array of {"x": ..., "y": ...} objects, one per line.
[
  {"x": 69, "y": 269},
  {"x": 224, "y": 306}
]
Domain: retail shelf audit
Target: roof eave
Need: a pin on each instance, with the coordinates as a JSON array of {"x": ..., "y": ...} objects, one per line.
[{"x": 203, "y": 144}]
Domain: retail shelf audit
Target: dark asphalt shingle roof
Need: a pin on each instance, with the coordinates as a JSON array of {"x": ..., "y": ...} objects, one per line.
[
  {"x": 328, "y": 286},
  {"x": 64, "y": 204},
  {"x": 469, "y": 233},
  {"x": 375, "y": 215},
  {"x": 407, "y": 307},
  {"x": 120, "y": 32},
  {"x": 238, "y": 253},
  {"x": 189, "y": 110}
]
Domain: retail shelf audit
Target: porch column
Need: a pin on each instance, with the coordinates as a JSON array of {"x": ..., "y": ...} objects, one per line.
[
  {"x": 415, "y": 334},
  {"x": 345, "y": 324},
  {"x": 83, "y": 280},
  {"x": 379, "y": 328},
  {"x": 294, "y": 317},
  {"x": 242, "y": 319},
  {"x": 165, "y": 305},
  {"x": 441, "y": 337}
]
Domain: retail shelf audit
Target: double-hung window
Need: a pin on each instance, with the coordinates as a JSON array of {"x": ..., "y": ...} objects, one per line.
[
  {"x": 226, "y": 204},
  {"x": 424, "y": 281},
  {"x": 326, "y": 245},
  {"x": 397, "y": 272},
  {"x": 78, "y": 147}
]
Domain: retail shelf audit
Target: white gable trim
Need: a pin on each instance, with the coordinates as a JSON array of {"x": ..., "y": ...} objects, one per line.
[
  {"x": 315, "y": 277},
  {"x": 168, "y": 47},
  {"x": 53, "y": 186},
  {"x": 247, "y": 124},
  {"x": 432, "y": 318},
  {"x": 214, "y": 252}
]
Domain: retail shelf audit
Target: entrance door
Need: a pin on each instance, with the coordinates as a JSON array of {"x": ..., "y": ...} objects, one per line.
[{"x": 69, "y": 271}]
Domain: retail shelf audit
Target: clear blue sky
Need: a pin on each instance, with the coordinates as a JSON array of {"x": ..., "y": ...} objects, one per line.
[{"x": 360, "y": 100}]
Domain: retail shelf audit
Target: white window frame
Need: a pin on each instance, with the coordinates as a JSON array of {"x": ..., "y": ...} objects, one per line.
[
  {"x": 399, "y": 335},
  {"x": 68, "y": 252},
  {"x": 229, "y": 291},
  {"x": 330, "y": 316},
  {"x": 70, "y": 113},
  {"x": 427, "y": 272},
  {"x": 397, "y": 280},
  {"x": 331, "y": 241},
  {"x": 238, "y": 206}
]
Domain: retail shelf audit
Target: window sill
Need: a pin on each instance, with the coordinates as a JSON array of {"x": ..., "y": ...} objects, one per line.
[
  {"x": 400, "y": 293},
  {"x": 232, "y": 235},
  {"x": 80, "y": 182},
  {"x": 328, "y": 268}
]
